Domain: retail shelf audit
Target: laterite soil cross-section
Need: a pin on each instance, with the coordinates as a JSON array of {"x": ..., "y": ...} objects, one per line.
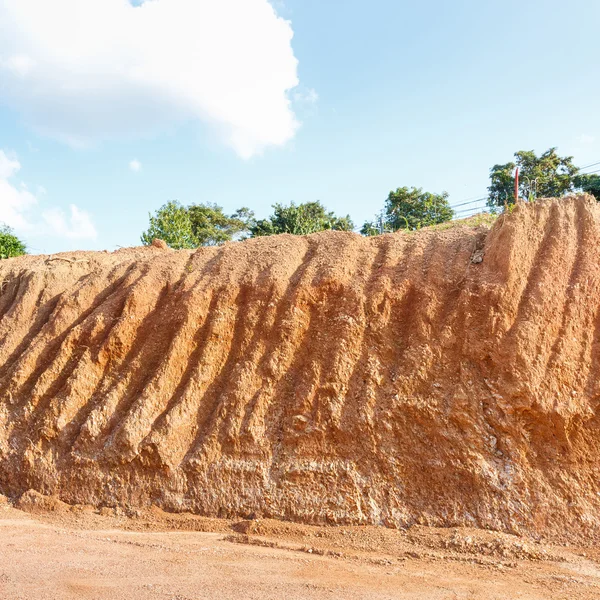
[{"x": 330, "y": 378}]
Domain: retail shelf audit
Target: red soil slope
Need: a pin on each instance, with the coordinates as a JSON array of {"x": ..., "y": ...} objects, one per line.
[{"x": 329, "y": 378}]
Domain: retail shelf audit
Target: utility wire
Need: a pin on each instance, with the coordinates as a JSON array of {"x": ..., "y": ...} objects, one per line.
[
  {"x": 470, "y": 198},
  {"x": 470, "y": 208},
  {"x": 588, "y": 166},
  {"x": 471, "y": 202},
  {"x": 478, "y": 202},
  {"x": 461, "y": 212}
]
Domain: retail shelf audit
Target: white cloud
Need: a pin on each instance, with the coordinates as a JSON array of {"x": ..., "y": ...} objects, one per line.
[
  {"x": 19, "y": 65},
  {"x": 585, "y": 138},
  {"x": 77, "y": 226},
  {"x": 15, "y": 202},
  {"x": 8, "y": 166},
  {"x": 308, "y": 96},
  {"x": 135, "y": 165},
  {"x": 87, "y": 70},
  {"x": 19, "y": 208}
]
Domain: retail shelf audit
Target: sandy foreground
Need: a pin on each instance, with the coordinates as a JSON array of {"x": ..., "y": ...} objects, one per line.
[{"x": 85, "y": 554}]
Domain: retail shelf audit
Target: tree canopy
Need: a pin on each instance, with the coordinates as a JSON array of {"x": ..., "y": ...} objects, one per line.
[
  {"x": 207, "y": 225},
  {"x": 172, "y": 224},
  {"x": 589, "y": 184},
  {"x": 410, "y": 208},
  {"x": 10, "y": 244},
  {"x": 546, "y": 176},
  {"x": 300, "y": 219},
  {"x": 211, "y": 226},
  {"x": 196, "y": 225}
]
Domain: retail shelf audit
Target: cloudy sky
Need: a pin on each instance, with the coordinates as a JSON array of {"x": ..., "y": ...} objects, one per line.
[{"x": 110, "y": 108}]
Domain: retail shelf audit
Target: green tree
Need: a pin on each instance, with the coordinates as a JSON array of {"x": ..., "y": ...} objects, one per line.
[
  {"x": 211, "y": 226},
  {"x": 375, "y": 227},
  {"x": 410, "y": 208},
  {"x": 300, "y": 219},
  {"x": 196, "y": 225},
  {"x": 172, "y": 224},
  {"x": 589, "y": 184},
  {"x": 502, "y": 185},
  {"x": 10, "y": 244},
  {"x": 546, "y": 176}
]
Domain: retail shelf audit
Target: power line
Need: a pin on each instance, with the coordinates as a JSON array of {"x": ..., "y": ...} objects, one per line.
[
  {"x": 470, "y": 213},
  {"x": 474, "y": 208},
  {"x": 470, "y": 198},
  {"x": 588, "y": 166},
  {"x": 471, "y": 202},
  {"x": 470, "y": 207},
  {"x": 465, "y": 210}
]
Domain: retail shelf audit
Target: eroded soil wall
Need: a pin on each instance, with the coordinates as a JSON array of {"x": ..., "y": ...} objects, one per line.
[{"x": 329, "y": 378}]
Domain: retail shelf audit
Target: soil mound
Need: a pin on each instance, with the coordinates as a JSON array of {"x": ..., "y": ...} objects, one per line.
[
  {"x": 33, "y": 502},
  {"x": 444, "y": 377}
]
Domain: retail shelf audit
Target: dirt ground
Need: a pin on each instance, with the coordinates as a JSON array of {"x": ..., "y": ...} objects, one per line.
[{"x": 84, "y": 553}]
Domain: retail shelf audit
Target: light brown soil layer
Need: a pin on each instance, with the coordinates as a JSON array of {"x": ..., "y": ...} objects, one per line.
[
  {"x": 80, "y": 552},
  {"x": 396, "y": 380}
]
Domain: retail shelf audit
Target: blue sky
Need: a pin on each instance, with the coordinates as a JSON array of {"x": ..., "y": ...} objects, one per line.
[{"x": 388, "y": 94}]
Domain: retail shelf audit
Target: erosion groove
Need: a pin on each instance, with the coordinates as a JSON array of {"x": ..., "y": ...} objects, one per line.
[{"x": 331, "y": 378}]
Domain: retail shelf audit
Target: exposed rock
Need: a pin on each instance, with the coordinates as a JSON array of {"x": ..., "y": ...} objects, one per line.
[
  {"x": 160, "y": 244},
  {"x": 32, "y": 502}
]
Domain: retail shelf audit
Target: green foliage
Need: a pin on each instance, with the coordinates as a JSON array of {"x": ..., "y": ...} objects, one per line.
[
  {"x": 502, "y": 185},
  {"x": 373, "y": 228},
  {"x": 212, "y": 227},
  {"x": 546, "y": 176},
  {"x": 300, "y": 219},
  {"x": 10, "y": 244},
  {"x": 172, "y": 224},
  {"x": 410, "y": 209},
  {"x": 196, "y": 225},
  {"x": 589, "y": 184}
]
